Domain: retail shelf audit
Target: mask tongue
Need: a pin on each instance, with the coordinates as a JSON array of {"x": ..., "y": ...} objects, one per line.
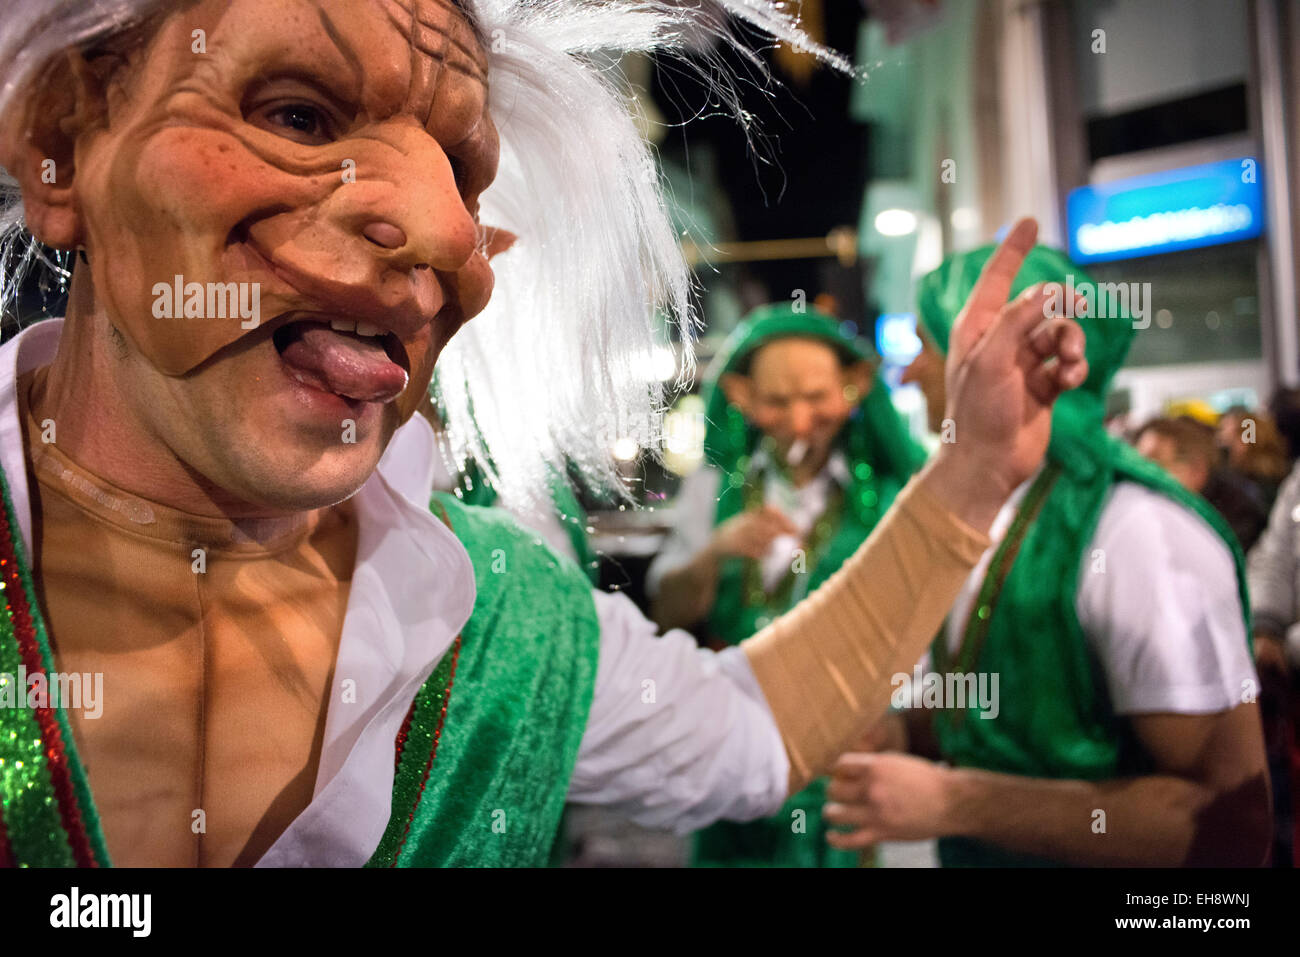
[{"x": 347, "y": 365}]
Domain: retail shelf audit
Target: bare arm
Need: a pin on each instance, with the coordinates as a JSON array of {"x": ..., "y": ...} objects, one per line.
[
  {"x": 686, "y": 594},
  {"x": 1207, "y": 804}
]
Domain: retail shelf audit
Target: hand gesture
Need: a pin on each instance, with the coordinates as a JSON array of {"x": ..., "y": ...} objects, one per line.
[
  {"x": 887, "y": 797},
  {"x": 750, "y": 534},
  {"x": 1007, "y": 363}
]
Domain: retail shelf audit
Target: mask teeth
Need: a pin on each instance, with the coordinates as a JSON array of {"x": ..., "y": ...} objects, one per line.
[{"x": 798, "y": 449}]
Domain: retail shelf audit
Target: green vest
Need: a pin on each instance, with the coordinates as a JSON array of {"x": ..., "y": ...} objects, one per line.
[
  {"x": 483, "y": 760},
  {"x": 473, "y": 489},
  {"x": 1055, "y": 719}
]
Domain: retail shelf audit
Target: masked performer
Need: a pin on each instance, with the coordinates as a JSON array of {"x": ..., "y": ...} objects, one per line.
[
  {"x": 1122, "y": 727},
  {"x": 217, "y": 498},
  {"x": 805, "y": 453}
]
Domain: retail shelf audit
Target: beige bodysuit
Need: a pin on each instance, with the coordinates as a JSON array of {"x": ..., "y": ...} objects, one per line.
[{"x": 216, "y": 641}]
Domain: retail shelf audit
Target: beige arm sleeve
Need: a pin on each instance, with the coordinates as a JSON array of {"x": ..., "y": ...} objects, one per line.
[{"x": 825, "y": 666}]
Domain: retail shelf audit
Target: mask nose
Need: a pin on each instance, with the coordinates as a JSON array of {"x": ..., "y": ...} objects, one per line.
[
  {"x": 802, "y": 421},
  {"x": 406, "y": 204},
  {"x": 385, "y": 235}
]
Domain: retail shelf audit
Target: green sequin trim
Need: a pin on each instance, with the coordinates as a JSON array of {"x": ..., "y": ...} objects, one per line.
[
  {"x": 31, "y": 809},
  {"x": 31, "y": 812},
  {"x": 416, "y": 760}
]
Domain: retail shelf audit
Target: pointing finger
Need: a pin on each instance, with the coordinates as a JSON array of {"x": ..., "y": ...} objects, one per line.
[{"x": 993, "y": 288}]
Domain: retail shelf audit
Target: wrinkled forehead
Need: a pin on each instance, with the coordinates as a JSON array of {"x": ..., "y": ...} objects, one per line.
[
  {"x": 416, "y": 57},
  {"x": 794, "y": 359}
]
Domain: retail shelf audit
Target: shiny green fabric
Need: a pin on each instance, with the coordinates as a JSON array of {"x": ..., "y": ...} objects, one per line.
[
  {"x": 518, "y": 706},
  {"x": 794, "y": 837},
  {"x": 881, "y": 456},
  {"x": 1056, "y": 720},
  {"x": 33, "y": 814}
]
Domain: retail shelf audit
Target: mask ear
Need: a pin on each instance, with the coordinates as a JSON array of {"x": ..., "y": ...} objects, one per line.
[
  {"x": 739, "y": 390},
  {"x": 497, "y": 240},
  {"x": 43, "y": 134},
  {"x": 858, "y": 381}
]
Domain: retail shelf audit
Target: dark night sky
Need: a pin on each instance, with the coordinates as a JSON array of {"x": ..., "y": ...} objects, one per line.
[{"x": 817, "y": 170}]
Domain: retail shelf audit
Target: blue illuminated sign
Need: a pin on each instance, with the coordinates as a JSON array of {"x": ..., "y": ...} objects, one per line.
[
  {"x": 896, "y": 338},
  {"x": 1167, "y": 211}
]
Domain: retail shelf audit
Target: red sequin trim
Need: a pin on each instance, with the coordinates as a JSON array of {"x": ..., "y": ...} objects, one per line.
[
  {"x": 402, "y": 736},
  {"x": 7, "y": 858},
  {"x": 55, "y": 753},
  {"x": 433, "y": 750}
]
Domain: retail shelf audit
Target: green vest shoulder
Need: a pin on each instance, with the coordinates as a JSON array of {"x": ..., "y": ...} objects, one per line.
[{"x": 485, "y": 769}]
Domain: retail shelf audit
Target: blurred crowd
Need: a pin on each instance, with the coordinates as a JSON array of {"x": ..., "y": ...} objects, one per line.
[
  {"x": 1237, "y": 461},
  {"x": 1124, "y": 654},
  {"x": 1244, "y": 463}
]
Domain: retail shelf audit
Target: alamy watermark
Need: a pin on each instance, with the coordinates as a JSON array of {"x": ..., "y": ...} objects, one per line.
[
  {"x": 133, "y": 912},
  {"x": 179, "y": 299},
  {"x": 955, "y": 689},
  {"x": 1101, "y": 300},
  {"x": 83, "y": 691}
]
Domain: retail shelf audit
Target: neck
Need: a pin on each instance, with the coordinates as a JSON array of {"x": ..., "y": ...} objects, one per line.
[{"x": 97, "y": 425}]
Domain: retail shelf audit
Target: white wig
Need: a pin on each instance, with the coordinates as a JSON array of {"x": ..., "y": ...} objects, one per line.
[{"x": 556, "y": 366}]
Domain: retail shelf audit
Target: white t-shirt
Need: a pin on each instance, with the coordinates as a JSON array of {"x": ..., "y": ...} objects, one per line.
[{"x": 1158, "y": 601}]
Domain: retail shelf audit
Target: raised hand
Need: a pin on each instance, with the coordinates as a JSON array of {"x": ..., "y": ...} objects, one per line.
[{"x": 1007, "y": 364}]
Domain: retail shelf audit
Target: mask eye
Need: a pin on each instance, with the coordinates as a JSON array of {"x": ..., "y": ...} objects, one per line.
[
  {"x": 304, "y": 111},
  {"x": 301, "y": 122}
]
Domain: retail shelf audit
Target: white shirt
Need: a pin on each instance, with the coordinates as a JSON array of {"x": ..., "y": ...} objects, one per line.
[
  {"x": 1158, "y": 602},
  {"x": 696, "y": 504},
  {"x": 696, "y": 745},
  {"x": 541, "y": 520}
]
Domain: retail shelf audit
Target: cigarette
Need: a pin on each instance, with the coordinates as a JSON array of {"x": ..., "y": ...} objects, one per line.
[{"x": 798, "y": 449}]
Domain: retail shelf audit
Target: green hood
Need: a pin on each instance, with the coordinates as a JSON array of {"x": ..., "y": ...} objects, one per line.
[
  {"x": 875, "y": 433},
  {"x": 943, "y": 292},
  {"x": 880, "y": 455}
]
